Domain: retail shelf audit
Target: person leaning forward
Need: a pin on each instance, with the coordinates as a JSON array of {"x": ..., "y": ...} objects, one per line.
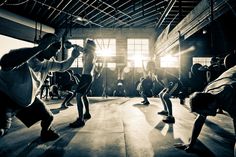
[
  {"x": 22, "y": 73},
  {"x": 219, "y": 93}
]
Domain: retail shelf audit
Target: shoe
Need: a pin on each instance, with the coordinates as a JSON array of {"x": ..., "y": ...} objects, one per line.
[
  {"x": 49, "y": 135},
  {"x": 146, "y": 103},
  {"x": 64, "y": 106},
  {"x": 165, "y": 113},
  {"x": 77, "y": 124},
  {"x": 87, "y": 116},
  {"x": 169, "y": 119},
  {"x": 143, "y": 101},
  {"x": 70, "y": 104}
]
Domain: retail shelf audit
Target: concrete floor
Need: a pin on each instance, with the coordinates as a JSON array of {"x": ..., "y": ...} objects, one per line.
[{"x": 121, "y": 127}]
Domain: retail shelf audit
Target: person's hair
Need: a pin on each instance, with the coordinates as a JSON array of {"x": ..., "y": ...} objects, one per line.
[
  {"x": 200, "y": 100},
  {"x": 91, "y": 43},
  {"x": 48, "y": 35}
]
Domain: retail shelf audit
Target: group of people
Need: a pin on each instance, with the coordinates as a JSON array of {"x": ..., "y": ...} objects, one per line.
[
  {"x": 218, "y": 95},
  {"x": 169, "y": 83},
  {"x": 23, "y": 72}
]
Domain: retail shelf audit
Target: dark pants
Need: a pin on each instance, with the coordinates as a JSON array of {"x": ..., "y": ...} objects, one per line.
[{"x": 37, "y": 111}]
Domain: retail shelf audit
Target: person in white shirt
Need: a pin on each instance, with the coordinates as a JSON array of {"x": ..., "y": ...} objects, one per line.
[
  {"x": 219, "y": 93},
  {"x": 22, "y": 74}
]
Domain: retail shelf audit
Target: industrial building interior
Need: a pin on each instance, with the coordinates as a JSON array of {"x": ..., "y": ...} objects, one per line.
[{"x": 180, "y": 36}]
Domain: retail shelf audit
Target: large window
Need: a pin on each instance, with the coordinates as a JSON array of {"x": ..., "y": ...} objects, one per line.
[
  {"x": 138, "y": 52},
  {"x": 78, "y": 61},
  {"x": 169, "y": 62},
  {"x": 202, "y": 60},
  {"x": 106, "y": 50},
  {"x": 8, "y": 43}
]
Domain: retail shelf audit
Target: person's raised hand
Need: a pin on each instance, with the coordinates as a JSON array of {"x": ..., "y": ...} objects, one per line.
[{"x": 76, "y": 52}]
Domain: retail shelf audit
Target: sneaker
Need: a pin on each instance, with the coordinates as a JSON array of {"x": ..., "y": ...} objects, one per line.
[
  {"x": 70, "y": 104},
  {"x": 143, "y": 101},
  {"x": 146, "y": 103},
  {"x": 87, "y": 116},
  {"x": 165, "y": 113},
  {"x": 49, "y": 135},
  {"x": 64, "y": 106},
  {"x": 169, "y": 119},
  {"x": 77, "y": 124}
]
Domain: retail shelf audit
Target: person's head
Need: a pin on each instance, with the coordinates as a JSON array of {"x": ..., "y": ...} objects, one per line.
[
  {"x": 203, "y": 103},
  {"x": 55, "y": 45},
  {"x": 150, "y": 66},
  {"x": 90, "y": 46}
]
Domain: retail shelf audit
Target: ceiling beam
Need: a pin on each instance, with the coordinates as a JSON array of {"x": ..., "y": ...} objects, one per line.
[
  {"x": 165, "y": 13},
  {"x": 23, "y": 21},
  {"x": 193, "y": 22}
]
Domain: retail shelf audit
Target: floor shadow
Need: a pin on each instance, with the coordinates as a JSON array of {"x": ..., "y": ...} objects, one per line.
[
  {"x": 30, "y": 147},
  {"x": 58, "y": 149},
  {"x": 139, "y": 105},
  {"x": 201, "y": 150},
  {"x": 55, "y": 110}
]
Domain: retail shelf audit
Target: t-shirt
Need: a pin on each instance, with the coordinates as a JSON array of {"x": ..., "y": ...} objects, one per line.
[
  {"x": 24, "y": 82},
  {"x": 224, "y": 87}
]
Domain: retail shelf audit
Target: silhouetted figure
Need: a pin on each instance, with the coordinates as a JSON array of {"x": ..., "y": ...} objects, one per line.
[
  {"x": 218, "y": 93},
  {"x": 22, "y": 74},
  {"x": 170, "y": 84}
]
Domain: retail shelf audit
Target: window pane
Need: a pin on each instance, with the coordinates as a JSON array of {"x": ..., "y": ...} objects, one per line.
[
  {"x": 202, "y": 60},
  {"x": 106, "y": 47},
  {"x": 138, "y": 52},
  {"x": 169, "y": 62}
]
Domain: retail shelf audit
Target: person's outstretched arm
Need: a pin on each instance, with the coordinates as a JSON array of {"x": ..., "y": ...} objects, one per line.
[
  {"x": 197, "y": 127},
  {"x": 18, "y": 57},
  {"x": 64, "y": 65}
]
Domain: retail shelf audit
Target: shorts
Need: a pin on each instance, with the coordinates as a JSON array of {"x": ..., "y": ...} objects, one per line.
[{"x": 84, "y": 84}]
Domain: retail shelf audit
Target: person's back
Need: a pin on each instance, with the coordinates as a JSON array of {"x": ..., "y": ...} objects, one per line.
[
  {"x": 224, "y": 87},
  {"x": 88, "y": 58}
]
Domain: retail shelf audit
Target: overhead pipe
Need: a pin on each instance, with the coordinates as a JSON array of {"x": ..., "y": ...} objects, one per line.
[
  {"x": 165, "y": 13},
  {"x": 104, "y": 12},
  {"x": 115, "y": 9}
]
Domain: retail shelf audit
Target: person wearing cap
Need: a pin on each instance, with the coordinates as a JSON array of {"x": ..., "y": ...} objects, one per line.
[
  {"x": 85, "y": 82},
  {"x": 219, "y": 93},
  {"x": 22, "y": 74}
]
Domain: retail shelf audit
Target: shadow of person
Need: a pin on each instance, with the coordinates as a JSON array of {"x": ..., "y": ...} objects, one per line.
[
  {"x": 30, "y": 147},
  {"x": 55, "y": 110},
  {"x": 57, "y": 149},
  {"x": 139, "y": 105}
]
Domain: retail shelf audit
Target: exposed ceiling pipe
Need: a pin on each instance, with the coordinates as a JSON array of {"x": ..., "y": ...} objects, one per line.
[
  {"x": 115, "y": 9},
  {"x": 104, "y": 12},
  {"x": 54, "y": 9},
  {"x": 66, "y": 18},
  {"x": 165, "y": 13},
  {"x": 100, "y": 17},
  {"x": 60, "y": 11},
  {"x": 70, "y": 15},
  {"x": 77, "y": 9}
]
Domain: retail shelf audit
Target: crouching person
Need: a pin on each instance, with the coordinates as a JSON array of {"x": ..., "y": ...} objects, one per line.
[
  {"x": 22, "y": 74},
  {"x": 219, "y": 93}
]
